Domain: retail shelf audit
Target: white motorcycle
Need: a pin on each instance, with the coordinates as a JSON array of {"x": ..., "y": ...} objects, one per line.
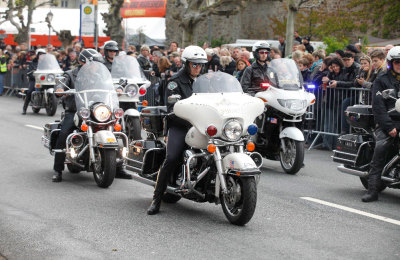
[
  {"x": 131, "y": 84},
  {"x": 219, "y": 162},
  {"x": 286, "y": 101}
]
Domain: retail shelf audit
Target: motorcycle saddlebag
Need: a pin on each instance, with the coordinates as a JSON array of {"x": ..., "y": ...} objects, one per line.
[
  {"x": 354, "y": 150},
  {"x": 146, "y": 156},
  {"x": 360, "y": 116},
  {"x": 151, "y": 119},
  {"x": 51, "y": 131}
]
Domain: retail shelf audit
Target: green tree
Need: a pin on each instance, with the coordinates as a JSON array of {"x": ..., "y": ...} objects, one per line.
[
  {"x": 334, "y": 44},
  {"x": 113, "y": 21}
]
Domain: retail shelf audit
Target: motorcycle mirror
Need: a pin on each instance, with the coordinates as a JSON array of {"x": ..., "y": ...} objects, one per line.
[
  {"x": 397, "y": 105},
  {"x": 173, "y": 99},
  {"x": 123, "y": 82}
]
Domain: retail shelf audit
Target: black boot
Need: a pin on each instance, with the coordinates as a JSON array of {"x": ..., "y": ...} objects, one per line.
[
  {"x": 372, "y": 193},
  {"x": 154, "y": 207},
  {"x": 159, "y": 190},
  {"x": 122, "y": 174},
  {"x": 370, "y": 196},
  {"x": 57, "y": 176}
]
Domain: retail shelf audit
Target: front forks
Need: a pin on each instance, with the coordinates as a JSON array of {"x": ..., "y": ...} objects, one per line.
[
  {"x": 220, "y": 170},
  {"x": 91, "y": 145}
]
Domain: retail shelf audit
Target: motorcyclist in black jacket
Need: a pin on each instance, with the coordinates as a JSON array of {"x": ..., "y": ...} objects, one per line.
[
  {"x": 110, "y": 51},
  {"x": 179, "y": 84},
  {"x": 388, "y": 124},
  {"x": 32, "y": 67},
  {"x": 255, "y": 74},
  {"x": 67, "y": 124}
]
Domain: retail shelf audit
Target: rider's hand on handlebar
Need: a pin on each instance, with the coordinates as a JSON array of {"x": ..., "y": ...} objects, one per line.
[{"x": 393, "y": 133}]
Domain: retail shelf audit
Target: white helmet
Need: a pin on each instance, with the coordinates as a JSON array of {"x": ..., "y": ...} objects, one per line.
[
  {"x": 40, "y": 51},
  {"x": 393, "y": 54},
  {"x": 261, "y": 45},
  {"x": 194, "y": 54}
]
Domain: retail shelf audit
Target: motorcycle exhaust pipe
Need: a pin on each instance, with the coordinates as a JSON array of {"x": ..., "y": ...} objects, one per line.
[
  {"x": 343, "y": 169},
  {"x": 152, "y": 183}
]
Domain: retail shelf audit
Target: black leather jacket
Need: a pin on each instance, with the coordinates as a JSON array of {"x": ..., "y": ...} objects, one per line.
[
  {"x": 32, "y": 67},
  {"x": 253, "y": 76},
  {"x": 381, "y": 107},
  {"x": 108, "y": 64},
  {"x": 69, "y": 100}
]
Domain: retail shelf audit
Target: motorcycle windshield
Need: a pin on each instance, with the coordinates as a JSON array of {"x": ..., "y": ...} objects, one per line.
[
  {"x": 126, "y": 66},
  {"x": 48, "y": 62},
  {"x": 94, "y": 85},
  {"x": 216, "y": 82},
  {"x": 284, "y": 74}
]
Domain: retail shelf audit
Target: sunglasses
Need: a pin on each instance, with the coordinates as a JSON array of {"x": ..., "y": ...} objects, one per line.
[
  {"x": 195, "y": 65},
  {"x": 263, "y": 52},
  {"x": 112, "y": 51},
  {"x": 397, "y": 62}
]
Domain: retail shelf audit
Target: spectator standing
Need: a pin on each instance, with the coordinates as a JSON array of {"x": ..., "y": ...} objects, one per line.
[
  {"x": 177, "y": 65},
  {"x": 387, "y": 48},
  {"x": 241, "y": 65},
  {"x": 236, "y": 53},
  {"x": 173, "y": 47},
  {"x": 143, "y": 59},
  {"x": 303, "y": 64},
  {"x": 246, "y": 57},
  {"x": 297, "y": 37},
  {"x": 228, "y": 65},
  {"x": 213, "y": 63},
  {"x": 306, "y": 43},
  {"x": 3, "y": 70},
  {"x": 282, "y": 45},
  {"x": 353, "y": 49}
]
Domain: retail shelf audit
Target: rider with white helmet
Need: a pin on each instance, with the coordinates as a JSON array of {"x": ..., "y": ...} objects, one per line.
[
  {"x": 180, "y": 83},
  {"x": 255, "y": 74},
  {"x": 388, "y": 123}
]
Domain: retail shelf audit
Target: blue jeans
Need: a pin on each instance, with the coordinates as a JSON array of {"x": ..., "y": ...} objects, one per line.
[{"x": 1, "y": 83}]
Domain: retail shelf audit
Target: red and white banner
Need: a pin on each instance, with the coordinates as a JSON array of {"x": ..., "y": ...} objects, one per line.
[{"x": 143, "y": 8}]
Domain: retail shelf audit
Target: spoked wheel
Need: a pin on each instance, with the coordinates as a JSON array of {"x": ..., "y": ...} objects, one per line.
[
  {"x": 364, "y": 182},
  {"x": 51, "y": 106},
  {"x": 36, "y": 110},
  {"x": 240, "y": 202},
  {"x": 292, "y": 159},
  {"x": 133, "y": 128},
  {"x": 105, "y": 167}
]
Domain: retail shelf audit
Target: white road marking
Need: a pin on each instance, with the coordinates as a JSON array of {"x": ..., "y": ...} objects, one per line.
[
  {"x": 35, "y": 127},
  {"x": 356, "y": 211}
]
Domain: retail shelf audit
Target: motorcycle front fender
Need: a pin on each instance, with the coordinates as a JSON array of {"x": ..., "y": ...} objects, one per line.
[
  {"x": 292, "y": 133},
  {"x": 240, "y": 164},
  {"x": 105, "y": 139},
  {"x": 131, "y": 113},
  {"x": 50, "y": 91}
]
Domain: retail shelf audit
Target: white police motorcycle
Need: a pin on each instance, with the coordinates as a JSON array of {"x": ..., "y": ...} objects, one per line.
[{"x": 280, "y": 136}]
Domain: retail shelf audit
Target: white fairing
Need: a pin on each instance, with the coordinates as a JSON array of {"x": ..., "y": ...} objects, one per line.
[
  {"x": 48, "y": 68},
  {"x": 205, "y": 109},
  {"x": 104, "y": 137},
  {"x": 292, "y": 133},
  {"x": 196, "y": 139},
  {"x": 272, "y": 94},
  {"x": 239, "y": 162},
  {"x": 397, "y": 106}
]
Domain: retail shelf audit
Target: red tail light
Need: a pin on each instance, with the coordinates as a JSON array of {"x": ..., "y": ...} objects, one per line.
[
  {"x": 42, "y": 77},
  {"x": 211, "y": 130},
  {"x": 142, "y": 91},
  {"x": 265, "y": 85}
]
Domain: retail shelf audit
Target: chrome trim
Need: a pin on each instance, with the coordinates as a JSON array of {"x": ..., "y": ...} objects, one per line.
[
  {"x": 390, "y": 164},
  {"x": 99, "y": 105},
  {"x": 343, "y": 169},
  {"x": 223, "y": 129}
]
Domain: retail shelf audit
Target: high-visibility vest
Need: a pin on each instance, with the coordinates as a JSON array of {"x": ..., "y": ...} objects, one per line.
[{"x": 3, "y": 66}]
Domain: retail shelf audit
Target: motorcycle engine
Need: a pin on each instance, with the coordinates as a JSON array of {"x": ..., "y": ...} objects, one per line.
[
  {"x": 395, "y": 173},
  {"x": 193, "y": 162},
  {"x": 36, "y": 98}
]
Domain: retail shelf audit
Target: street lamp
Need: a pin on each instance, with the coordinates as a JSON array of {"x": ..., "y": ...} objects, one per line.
[{"x": 49, "y": 18}]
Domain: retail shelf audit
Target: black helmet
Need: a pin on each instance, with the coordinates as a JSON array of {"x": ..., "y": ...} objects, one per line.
[
  {"x": 110, "y": 46},
  {"x": 90, "y": 55}
]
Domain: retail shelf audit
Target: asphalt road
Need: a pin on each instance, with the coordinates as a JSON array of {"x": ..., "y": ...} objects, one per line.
[{"x": 75, "y": 219}]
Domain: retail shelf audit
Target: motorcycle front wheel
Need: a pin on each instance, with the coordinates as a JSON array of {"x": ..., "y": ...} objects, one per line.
[
  {"x": 240, "y": 202},
  {"x": 292, "y": 159},
  {"x": 105, "y": 167},
  {"x": 133, "y": 128},
  {"x": 51, "y": 106}
]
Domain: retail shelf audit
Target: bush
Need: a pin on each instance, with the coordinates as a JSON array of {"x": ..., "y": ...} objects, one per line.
[{"x": 334, "y": 44}]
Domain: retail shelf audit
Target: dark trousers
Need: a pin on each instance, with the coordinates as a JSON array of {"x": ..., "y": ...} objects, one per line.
[
  {"x": 383, "y": 144},
  {"x": 175, "y": 148},
  {"x": 29, "y": 94},
  {"x": 67, "y": 127}
]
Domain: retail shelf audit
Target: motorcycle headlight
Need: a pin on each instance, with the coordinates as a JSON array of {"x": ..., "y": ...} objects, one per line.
[
  {"x": 293, "y": 104},
  {"x": 50, "y": 78},
  {"x": 233, "y": 130},
  {"x": 101, "y": 113},
  {"x": 84, "y": 113},
  {"x": 131, "y": 90}
]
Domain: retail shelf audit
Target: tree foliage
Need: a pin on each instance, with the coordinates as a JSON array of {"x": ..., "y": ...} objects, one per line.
[
  {"x": 334, "y": 44},
  {"x": 113, "y": 21}
]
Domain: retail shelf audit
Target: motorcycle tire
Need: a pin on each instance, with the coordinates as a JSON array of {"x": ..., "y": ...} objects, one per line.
[
  {"x": 36, "y": 110},
  {"x": 239, "y": 210},
  {"x": 170, "y": 198},
  {"x": 364, "y": 182},
  {"x": 133, "y": 128},
  {"x": 73, "y": 168},
  {"x": 104, "y": 177},
  {"x": 51, "y": 106},
  {"x": 297, "y": 162}
]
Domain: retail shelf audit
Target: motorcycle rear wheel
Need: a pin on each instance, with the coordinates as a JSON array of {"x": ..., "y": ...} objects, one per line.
[
  {"x": 240, "y": 203},
  {"x": 51, "y": 106},
  {"x": 295, "y": 151},
  {"x": 104, "y": 174},
  {"x": 364, "y": 182}
]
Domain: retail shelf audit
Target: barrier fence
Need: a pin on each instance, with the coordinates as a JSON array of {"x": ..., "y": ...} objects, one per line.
[
  {"x": 325, "y": 119},
  {"x": 14, "y": 80}
]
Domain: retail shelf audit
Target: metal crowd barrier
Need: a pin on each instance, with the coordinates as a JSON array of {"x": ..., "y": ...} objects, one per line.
[
  {"x": 326, "y": 117},
  {"x": 14, "y": 80}
]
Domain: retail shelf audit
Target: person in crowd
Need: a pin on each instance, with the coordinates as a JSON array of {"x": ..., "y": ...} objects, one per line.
[
  {"x": 257, "y": 72},
  {"x": 339, "y": 53},
  {"x": 144, "y": 57},
  {"x": 131, "y": 48},
  {"x": 110, "y": 51},
  {"x": 388, "y": 48},
  {"x": 164, "y": 66},
  {"x": 61, "y": 56},
  {"x": 181, "y": 84},
  {"x": 67, "y": 60},
  {"x": 156, "y": 58},
  {"x": 319, "y": 56},
  {"x": 49, "y": 48},
  {"x": 303, "y": 64},
  {"x": 73, "y": 60},
  {"x": 228, "y": 65},
  {"x": 32, "y": 66},
  {"x": 246, "y": 57},
  {"x": 301, "y": 48},
  {"x": 297, "y": 55},
  {"x": 295, "y": 45},
  {"x": 388, "y": 126},
  {"x": 310, "y": 59},
  {"x": 322, "y": 72},
  {"x": 206, "y": 45},
  {"x": 306, "y": 43},
  {"x": 282, "y": 46},
  {"x": 364, "y": 79},
  {"x": 213, "y": 63},
  {"x": 274, "y": 52},
  {"x": 68, "y": 125},
  {"x": 353, "y": 49},
  {"x": 177, "y": 65},
  {"x": 3, "y": 70},
  {"x": 173, "y": 47},
  {"x": 236, "y": 53},
  {"x": 241, "y": 65},
  {"x": 172, "y": 56},
  {"x": 78, "y": 48},
  {"x": 297, "y": 37}
]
